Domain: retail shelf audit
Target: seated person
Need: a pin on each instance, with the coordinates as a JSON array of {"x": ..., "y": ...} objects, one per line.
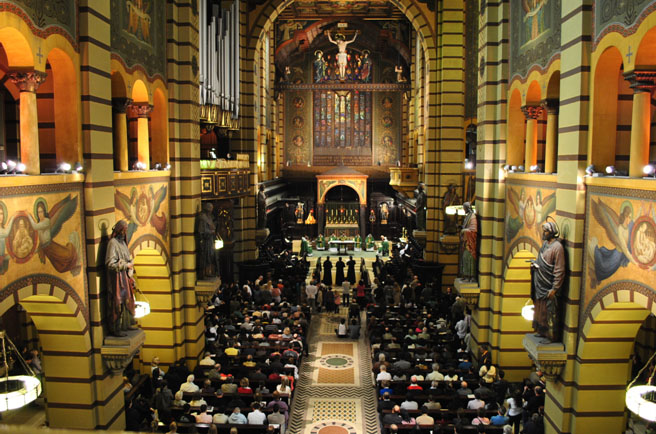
[{"x": 341, "y": 330}]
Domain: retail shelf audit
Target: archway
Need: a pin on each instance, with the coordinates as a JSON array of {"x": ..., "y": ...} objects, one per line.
[
  {"x": 516, "y": 130},
  {"x": 151, "y": 266},
  {"x": 606, "y": 79},
  {"x": 159, "y": 148},
  {"x": 602, "y": 368},
  {"x": 61, "y": 320},
  {"x": 515, "y": 293}
]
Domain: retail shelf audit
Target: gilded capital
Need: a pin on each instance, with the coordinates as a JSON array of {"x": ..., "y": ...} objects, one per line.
[
  {"x": 532, "y": 111},
  {"x": 120, "y": 105},
  {"x": 27, "y": 81},
  {"x": 641, "y": 81}
]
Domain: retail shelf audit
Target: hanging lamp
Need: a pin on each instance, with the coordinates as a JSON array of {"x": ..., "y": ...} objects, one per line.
[
  {"x": 641, "y": 400},
  {"x": 16, "y": 391}
]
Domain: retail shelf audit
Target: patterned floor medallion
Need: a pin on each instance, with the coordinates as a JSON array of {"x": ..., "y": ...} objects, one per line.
[
  {"x": 337, "y": 361},
  {"x": 333, "y": 428}
]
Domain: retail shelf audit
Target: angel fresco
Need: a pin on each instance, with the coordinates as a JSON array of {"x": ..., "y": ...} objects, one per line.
[
  {"x": 604, "y": 262},
  {"x": 140, "y": 209},
  {"x": 47, "y": 225},
  {"x": 5, "y": 227}
]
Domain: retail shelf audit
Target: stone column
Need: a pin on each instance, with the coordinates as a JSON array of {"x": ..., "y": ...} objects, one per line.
[
  {"x": 551, "y": 147},
  {"x": 119, "y": 109},
  {"x": 28, "y": 82},
  {"x": 532, "y": 113},
  {"x": 642, "y": 84},
  {"x": 143, "y": 139}
]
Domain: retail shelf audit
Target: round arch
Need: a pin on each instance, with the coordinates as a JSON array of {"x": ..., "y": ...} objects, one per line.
[
  {"x": 17, "y": 48},
  {"x": 515, "y": 292},
  {"x": 609, "y": 328},
  {"x": 516, "y": 133},
  {"x": 151, "y": 266},
  {"x": 159, "y": 152},
  {"x": 322, "y": 199},
  {"x": 605, "y": 79},
  {"x": 139, "y": 92}
]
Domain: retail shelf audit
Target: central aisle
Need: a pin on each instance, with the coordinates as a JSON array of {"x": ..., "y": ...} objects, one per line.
[{"x": 335, "y": 393}]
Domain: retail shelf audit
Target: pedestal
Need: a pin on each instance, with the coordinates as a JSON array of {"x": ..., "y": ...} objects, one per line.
[
  {"x": 118, "y": 352},
  {"x": 420, "y": 236},
  {"x": 261, "y": 235},
  {"x": 205, "y": 289},
  {"x": 549, "y": 357},
  {"x": 467, "y": 290}
]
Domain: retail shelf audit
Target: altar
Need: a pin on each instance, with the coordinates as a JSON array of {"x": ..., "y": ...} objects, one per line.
[
  {"x": 342, "y": 243},
  {"x": 343, "y": 217}
]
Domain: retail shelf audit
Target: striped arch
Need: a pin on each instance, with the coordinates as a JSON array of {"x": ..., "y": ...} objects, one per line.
[
  {"x": 61, "y": 319},
  {"x": 512, "y": 326},
  {"x": 151, "y": 265},
  {"x": 606, "y": 341}
]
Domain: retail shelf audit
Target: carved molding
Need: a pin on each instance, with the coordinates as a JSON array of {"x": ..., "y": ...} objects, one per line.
[
  {"x": 204, "y": 290},
  {"x": 470, "y": 291},
  {"x": 141, "y": 110},
  {"x": 118, "y": 352},
  {"x": 27, "y": 81},
  {"x": 549, "y": 357}
]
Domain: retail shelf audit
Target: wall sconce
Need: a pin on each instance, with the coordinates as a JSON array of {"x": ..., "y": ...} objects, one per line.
[
  {"x": 469, "y": 165},
  {"x": 649, "y": 170},
  {"x": 590, "y": 170},
  {"x": 535, "y": 168},
  {"x": 63, "y": 168},
  {"x": 610, "y": 170}
]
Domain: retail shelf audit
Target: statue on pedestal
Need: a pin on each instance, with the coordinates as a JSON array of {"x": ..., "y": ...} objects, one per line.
[
  {"x": 261, "y": 208},
  {"x": 384, "y": 213},
  {"x": 420, "y": 205},
  {"x": 205, "y": 236},
  {"x": 468, "y": 244},
  {"x": 547, "y": 277},
  {"x": 120, "y": 282},
  {"x": 299, "y": 213}
]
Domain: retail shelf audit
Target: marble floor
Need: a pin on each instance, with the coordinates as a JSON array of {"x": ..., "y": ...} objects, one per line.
[{"x": 335, "y": 392}]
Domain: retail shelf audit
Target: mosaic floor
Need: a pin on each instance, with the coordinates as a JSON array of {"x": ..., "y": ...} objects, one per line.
[{"x": 335, "y": 393}]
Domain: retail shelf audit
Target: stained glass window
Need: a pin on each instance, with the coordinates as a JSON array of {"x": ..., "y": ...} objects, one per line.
[{"x": 342, "y": 119}]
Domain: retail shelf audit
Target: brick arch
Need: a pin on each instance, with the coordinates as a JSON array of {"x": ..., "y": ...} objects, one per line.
[
  {"x": 607, "y": 336},
  {"x": 522, "y": 243},
  {"x": 149, "y": 241}
]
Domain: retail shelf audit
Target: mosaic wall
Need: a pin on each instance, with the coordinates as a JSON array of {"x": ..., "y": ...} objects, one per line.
[
  {"x": 534, "y": 34},
  {"x": 620, "y": 16},
  {"x": 47, "y": 15},
  {"x": 298, "y": 128},
  {"x": 387, "y": 128},
  {"x": 145, "y": 207},
  {"x": 41, "y": 233},
  {"x": 139, "y": 34},
  {"x": 527, "y": 207},
  {"x": 620, "y": 238}
]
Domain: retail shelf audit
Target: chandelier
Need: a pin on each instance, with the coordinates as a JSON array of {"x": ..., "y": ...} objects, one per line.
[
  {"x": 641, "y": 400},
  {"x": 16, "y": 390}
]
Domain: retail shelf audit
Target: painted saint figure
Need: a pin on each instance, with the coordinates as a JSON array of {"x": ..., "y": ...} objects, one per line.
[
  {"x": 342, "y": 57},
  {"x": 319, "y": 67},
  {"x": 5, "y": 228},
  {"x": 120, "y": 282},
  {"x": 63, "y": 257},
  {"x": 547, "y": 276},
  {"x": 468, "y": 244}
]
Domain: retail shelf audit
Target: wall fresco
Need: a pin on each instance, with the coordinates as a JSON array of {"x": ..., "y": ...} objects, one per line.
[
  {"x": 139, "y": 34},
  {"x": 527, "y": 207},
  {"x": 41, "y": 233},
  {"x": 620, "y": 239},
  {"x": 534, "y": 34},
  {"x": 48, "y": 15},
  {"x": 298, "y": 127},
  {"x": 387, "y": 128},
  {"x": 146, "y": 209}
]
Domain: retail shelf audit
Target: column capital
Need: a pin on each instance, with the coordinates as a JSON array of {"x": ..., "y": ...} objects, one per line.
[
  {"x": 532, "y": 111},
  {"x": 551, "y": 105},
  {"x": 120, "y": 105},
  {"x": 27, "y": 81},
  {"x": 641, "y": 80},
  {"x": 142, "y": 110}
]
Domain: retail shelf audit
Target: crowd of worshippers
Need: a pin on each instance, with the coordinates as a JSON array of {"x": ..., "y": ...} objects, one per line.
[
  {"x": 427, "y": 381},
  {"x": 255, "y": 335}
]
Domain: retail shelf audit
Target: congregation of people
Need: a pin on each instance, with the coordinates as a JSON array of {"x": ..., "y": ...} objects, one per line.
[
  {"x": 427, "y": 378},
  {"x": 255, "y": 340}
]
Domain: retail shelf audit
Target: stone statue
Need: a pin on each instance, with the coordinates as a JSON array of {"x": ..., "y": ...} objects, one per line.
[
  {"x": 468, "y": 244},
  {"x": 120, "y": 282},
  {"x": 205, "y": 236},
  {"x": 547, "y": 277},
  {"x": 420, "y": 205},
  {"x": 261, "y": 208},
  {"x": 450, "y": 220}
]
